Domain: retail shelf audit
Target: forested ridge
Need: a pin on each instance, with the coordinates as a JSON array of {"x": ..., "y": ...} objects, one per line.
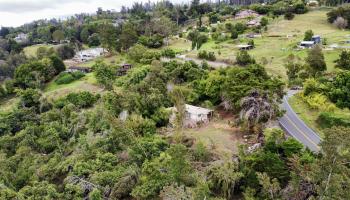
[{"x": 116, "y": 126}]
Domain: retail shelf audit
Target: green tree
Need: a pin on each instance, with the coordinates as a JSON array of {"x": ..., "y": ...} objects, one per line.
[
  {"x": 128, "y": 36},
  {"x": 243, "y": 58},
  {"x": 308, "y": 35},
  {"x": 343, "y": 62},
  {"x": 84, "y": 35},
  {"x": 224, "y": 176},
  {"x": 315, "y": 61},
  {"x": 58, "y": 35},
  {"x": 105, "y": 74},
  {"x": 109, "y": 35}
]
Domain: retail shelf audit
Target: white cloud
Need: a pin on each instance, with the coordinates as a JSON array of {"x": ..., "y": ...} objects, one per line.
[{"x": 18, "y": 12}]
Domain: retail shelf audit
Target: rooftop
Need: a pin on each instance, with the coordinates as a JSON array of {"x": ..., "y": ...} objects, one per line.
[{"x": 197, "y": 110}]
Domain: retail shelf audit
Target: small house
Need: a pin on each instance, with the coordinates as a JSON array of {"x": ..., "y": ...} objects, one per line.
[
  {"x": 194, "y": 116},
  {"x": 316, "y": 39},
  {"x": 88, "y": 54},
  {"x": 307, "y": 44},
  {"x": 21, "y": 38},
  {"x": 123, "y": 69},
  {"x": 77, "y": 68},
  {"x": 246, "y": 13},
  {"x": 245, "y": 47}
]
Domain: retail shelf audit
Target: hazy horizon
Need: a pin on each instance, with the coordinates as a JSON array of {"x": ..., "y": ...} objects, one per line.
[{"x": 14, "y": 13}]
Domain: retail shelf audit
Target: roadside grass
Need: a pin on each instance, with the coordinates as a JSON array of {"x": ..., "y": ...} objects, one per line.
[
  {"x": 310, "y": 116},
  {"x": 219, "y": 136},
  {"x": 30, "y": 51}
]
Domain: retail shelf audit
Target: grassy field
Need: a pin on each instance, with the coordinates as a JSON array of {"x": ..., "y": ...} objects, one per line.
[
  {"x": 286, "y": 35},
  {"x": 87, "y": 83},
  {"x": 30, "y": 51},
  {"x": 219, "y": 136}
]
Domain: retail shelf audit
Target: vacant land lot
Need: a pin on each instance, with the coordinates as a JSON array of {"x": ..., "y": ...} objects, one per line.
[
  {"x": 219, "y": 136},
  {"x": 30, "y": 51}
]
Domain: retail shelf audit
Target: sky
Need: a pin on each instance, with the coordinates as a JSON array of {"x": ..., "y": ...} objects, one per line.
[{"x": 17, "y": 12}]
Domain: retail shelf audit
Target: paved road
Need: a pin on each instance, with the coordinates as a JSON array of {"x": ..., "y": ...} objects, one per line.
[{"x": 294, "y": 126}]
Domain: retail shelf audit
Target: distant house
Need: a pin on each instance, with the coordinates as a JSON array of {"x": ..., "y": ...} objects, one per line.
[
  {"x": 118, "y": 22},
  {"x": 21, "y": 38},
  {"x": 245, "y": 47},
  {"x": 123, "y": 69},
  {"x": 253, "y": 23},
  {"x": 246, "y": 13},
  {"x": 88, "y": 54},
  {"x": 253, "y": 35},
  {"x": 307, "y": 44},
  {"x": 81, "y": 69},
  {"x": 194, "y": 115},
  {"x": 316, "y": 39}
]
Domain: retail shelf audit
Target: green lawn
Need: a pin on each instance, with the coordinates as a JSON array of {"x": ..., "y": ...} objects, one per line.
[
  {"x": 30, "y": 51},
  {"x": 87, "y": 83}
]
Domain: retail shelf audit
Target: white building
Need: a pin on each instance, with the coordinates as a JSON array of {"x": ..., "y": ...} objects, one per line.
[
  {"x": 88, "y": 54},
  {"x": 21, "y": 38},
  {"x": 194, "y": 115}
]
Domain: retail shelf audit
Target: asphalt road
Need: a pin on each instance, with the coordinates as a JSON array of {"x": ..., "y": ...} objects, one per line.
[{"x": 294, "y": 126}]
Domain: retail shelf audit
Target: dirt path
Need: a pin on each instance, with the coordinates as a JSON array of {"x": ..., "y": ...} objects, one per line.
[{"x": 214, "y": 64}]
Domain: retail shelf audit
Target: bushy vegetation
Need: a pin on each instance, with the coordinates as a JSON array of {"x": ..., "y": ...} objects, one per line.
[
  {"x": 206, "y": 55},
  {"x": 66, "y": 77},
  {"x": 119, "y": 142}
]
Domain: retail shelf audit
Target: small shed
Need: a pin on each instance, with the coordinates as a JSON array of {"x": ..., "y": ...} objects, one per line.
[
  {"x": 316, "y": 39},
  {"x": 307, "y": 44},
  {"x": 77, "y": 68},
  {"x": 245, "y": 47},
  {"x": 123, "y": 69}
]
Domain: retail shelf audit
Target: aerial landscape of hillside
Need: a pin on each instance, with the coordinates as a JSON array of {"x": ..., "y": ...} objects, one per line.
[{"x": 174, "y": 100}]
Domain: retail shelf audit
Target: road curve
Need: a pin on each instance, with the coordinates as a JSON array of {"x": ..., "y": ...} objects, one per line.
[{"x": 295, "y": 127}]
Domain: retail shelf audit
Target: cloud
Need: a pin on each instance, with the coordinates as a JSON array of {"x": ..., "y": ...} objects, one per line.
[
  {"x": 16, "y": 6},
  {"x": 18, "y": 12}
]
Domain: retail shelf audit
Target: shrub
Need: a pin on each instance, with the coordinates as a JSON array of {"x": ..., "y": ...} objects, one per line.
[
  {"x": 308, "y": 35},
  {"x": 234, "y": 34},
  {"x": 169, "y": 53},
  {"x": 206, "y": 55},
  {"x": 83, "y": 99},
  {"x": 328, "y": 120},
  {"x": 243, "y": 58},
  {"x": 288, "y": 16},
  {"x": 154, "y": 41},
  {"x": 65, "y": 78},
  {"x": 65, "y": 52}
]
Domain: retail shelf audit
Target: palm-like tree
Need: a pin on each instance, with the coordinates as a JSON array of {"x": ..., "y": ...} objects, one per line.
[
  {"x": 256, "y": 109},
  {"x": 224, "y": 175}
]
